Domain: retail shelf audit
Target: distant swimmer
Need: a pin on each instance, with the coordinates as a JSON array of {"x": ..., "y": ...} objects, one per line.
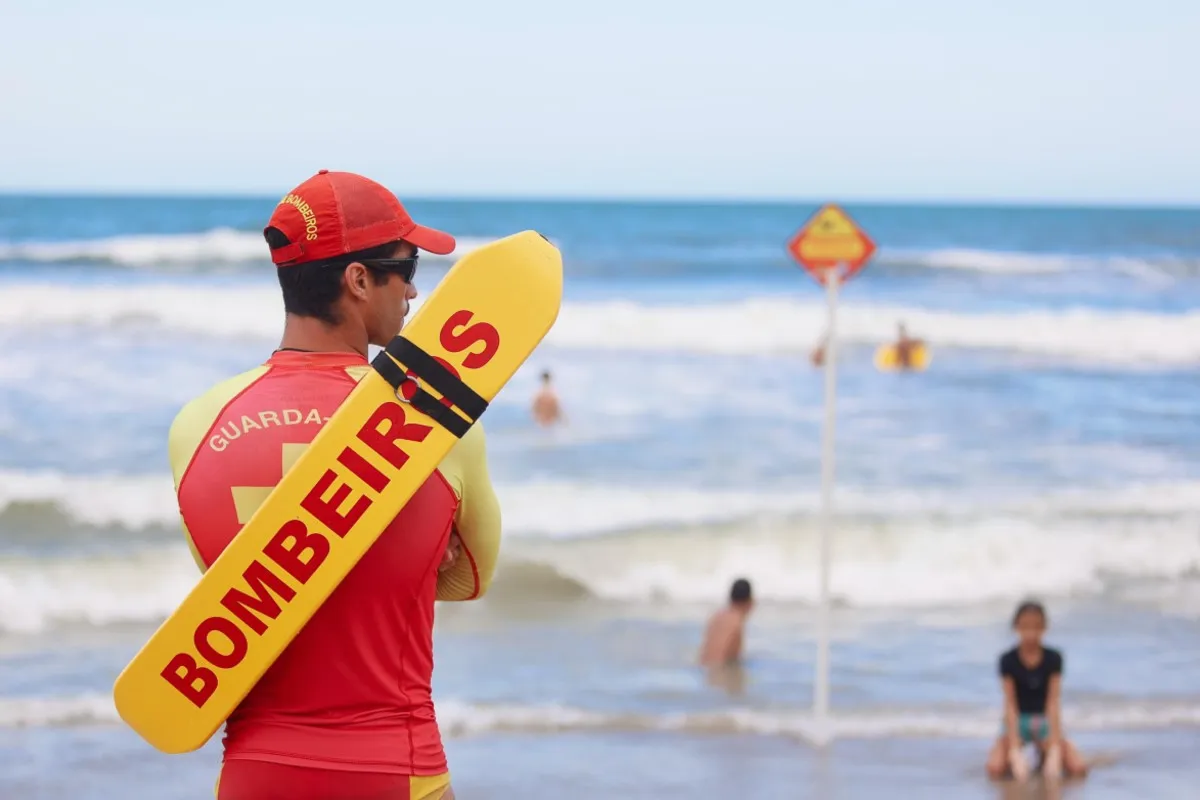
[
  {"x": 905, "y": 354},
  {"x": 723, "y": 638},
  {"x": 906, "y": 348},
  {"x": 1031, "y": 676},
  {"x": 817, "y": 357},
  {"x": 546, "y": 409}
]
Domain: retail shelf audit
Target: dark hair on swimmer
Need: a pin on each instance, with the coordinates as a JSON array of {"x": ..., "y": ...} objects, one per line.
[
  {"x": 740, "y": 591},
  {"x": 1030, "y": 606}
]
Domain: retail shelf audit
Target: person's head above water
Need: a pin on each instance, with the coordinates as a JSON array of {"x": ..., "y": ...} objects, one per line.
[
  {"x": 346, "y": 252},
  {"x": 1029, "y": 621},
  {"x": 740, "y": 594}
]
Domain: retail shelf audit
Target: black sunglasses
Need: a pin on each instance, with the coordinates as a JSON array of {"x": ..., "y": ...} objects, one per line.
[{"x": 406, "y": 268}]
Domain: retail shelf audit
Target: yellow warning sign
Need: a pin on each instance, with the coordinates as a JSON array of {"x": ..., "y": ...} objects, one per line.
[{"x": 829, "y": 238}]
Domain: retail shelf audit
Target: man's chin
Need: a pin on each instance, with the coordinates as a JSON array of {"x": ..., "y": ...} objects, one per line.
[{"x": 403, "y": 322}]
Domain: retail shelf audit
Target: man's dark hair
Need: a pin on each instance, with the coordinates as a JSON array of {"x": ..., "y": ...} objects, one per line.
[
  {"x": 312, "y": 289},
  {"x": 546, "y": 375},
  {"x": 740, "y": 591},
  {"x": 1028, "y": 607}
]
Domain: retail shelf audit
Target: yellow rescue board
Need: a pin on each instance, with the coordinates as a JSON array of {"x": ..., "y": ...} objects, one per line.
[
  {"x": 484, "y": 320},
  {"x": 885, "y": 358}
]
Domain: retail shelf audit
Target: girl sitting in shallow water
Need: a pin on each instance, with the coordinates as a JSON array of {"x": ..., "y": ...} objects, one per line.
[{"x": 1032, "y": 679}]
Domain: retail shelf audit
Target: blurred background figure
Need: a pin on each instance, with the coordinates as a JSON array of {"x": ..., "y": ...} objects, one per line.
[
  {"x": 906, "y": 347},
  {"x": 817, "y": 356},
  {"x": 1031, "y": 677},
  {"x": 547, "y": 410},
  {"x": 726, "y": 628}
]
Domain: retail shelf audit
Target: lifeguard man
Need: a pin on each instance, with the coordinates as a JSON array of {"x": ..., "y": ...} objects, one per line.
[{"x": 346, "y": 711}]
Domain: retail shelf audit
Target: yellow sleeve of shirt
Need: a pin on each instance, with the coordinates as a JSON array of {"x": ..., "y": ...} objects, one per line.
[{"x": 477, "y": 519}]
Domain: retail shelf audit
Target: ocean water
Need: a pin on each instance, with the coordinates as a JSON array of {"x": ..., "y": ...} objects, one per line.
[{"x": 1053, "y": 448}]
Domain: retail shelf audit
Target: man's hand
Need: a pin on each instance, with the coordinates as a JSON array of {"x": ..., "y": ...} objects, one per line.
[{"x": 453, "y": 548}]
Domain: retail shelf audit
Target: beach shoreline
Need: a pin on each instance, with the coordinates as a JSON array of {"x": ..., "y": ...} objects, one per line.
[{"x": 104, "y": 763}]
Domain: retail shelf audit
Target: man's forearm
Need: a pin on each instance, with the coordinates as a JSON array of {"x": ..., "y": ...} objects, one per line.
[{"x": 471, "y": 574}]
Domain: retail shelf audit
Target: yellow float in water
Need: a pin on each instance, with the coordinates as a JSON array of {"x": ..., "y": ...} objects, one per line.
[{"x": 886, "y": 360}]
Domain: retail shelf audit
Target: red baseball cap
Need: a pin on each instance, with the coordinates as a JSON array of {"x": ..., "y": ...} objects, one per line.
[{"x": 335, "y": 213}]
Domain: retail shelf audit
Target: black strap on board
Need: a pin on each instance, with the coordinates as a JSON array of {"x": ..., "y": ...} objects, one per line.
[{"x": 437, "y": 377}]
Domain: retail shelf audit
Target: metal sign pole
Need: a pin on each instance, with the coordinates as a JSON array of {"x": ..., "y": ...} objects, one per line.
[
  {"x": 833, "y": 279},
  {"x": 831, "y": 248}
]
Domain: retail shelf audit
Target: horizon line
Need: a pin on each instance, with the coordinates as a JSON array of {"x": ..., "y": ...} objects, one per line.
[{"x": 635, "y": 199}]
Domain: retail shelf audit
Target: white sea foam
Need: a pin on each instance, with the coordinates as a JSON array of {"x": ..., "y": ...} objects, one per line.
[
  {"x": 573, "y": 509},
  {"x": 458, "y": 719},
  {"x": 899, "y": 549},
  {"x": 752, "y": 326},
  {"x": 986, "y": 261},
  {"x": 225, "y": 245},
  {"x": 216, "y": 246}
]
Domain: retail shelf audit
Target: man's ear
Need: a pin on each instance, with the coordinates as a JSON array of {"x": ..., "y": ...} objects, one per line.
[{"x": 356, "y": 279}]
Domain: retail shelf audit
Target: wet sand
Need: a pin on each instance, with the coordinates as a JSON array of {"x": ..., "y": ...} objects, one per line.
[{"x": 109, "y": 763}]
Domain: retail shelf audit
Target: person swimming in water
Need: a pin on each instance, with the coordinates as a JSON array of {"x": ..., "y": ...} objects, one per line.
[
  {"x": 1031, "y": 676},
  {"x": 817, "y": 356},
  {"x": 906, "y": 347},
  {"x": 726, "y": 629},
  {"x": 546, "y": 410}
]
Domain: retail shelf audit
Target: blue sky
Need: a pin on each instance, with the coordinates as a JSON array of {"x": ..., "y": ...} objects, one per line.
[{"x": 1058, "y": 100}]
